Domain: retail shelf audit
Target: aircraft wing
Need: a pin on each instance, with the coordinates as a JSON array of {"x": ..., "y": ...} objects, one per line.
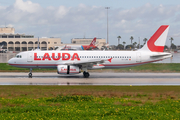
[{"x": 88, "y": 63}]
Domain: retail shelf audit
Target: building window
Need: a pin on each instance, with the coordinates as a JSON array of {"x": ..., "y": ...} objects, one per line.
[
  {"x": 4, "y": 36},
  {"x": 10, "y": 36},
  {"x": 17, "y": 36},
  {"x": 48, "y": 42},
  {"x": 55, "y": 42}
]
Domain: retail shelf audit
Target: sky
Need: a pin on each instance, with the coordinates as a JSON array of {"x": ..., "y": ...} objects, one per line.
[{"x": 69, "y": 19}]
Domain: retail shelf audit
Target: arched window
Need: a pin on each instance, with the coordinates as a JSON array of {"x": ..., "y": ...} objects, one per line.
[
  {"x": 10, "y": 42},
  {"x": 37, "y": 42},
  {"x": 43, "y": 42},
  {"x": 24, "y": 42},
  {"x": 30, "y": 42},
  {"x": 17, "y": 42}
]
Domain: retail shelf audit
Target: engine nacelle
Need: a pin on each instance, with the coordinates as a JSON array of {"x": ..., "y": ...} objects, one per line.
[{"x": 67, "y": 69}]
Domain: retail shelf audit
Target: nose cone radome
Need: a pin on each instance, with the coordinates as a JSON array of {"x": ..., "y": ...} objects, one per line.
[{"x": 10, "y": 61}]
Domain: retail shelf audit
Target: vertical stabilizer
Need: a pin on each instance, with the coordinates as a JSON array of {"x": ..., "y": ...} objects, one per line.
[
  {"x": 93, "y": 42},
  {"x": 157, "y": 41}
]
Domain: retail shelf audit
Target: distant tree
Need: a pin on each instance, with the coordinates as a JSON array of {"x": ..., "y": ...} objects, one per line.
[
  {"x": 120, "y": 47},
  {"x": 124, "y": 44},
  {"x": 129, "y": 46},
  {"x": 166, "y": 47},
  {"x": 145, "y": 40},
  {"x": 171, "y": 39},
  {"x": 131, "y": 38},
  {"x": 173, "y": 46},
  {"x": 134, "y": 44},
  {"x": 139, "y": 46},
  {"x": 119, "y": 37}
]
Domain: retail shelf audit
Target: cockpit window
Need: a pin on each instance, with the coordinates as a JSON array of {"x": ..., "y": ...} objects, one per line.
[{"x": 18, "y": 56}]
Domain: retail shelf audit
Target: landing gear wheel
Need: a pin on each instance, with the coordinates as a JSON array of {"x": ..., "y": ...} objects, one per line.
[
  {"x": 86, "y": 74},
  {"x": 30, "y": 75}
]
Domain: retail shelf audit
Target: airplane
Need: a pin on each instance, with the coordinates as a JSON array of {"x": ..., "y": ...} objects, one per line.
[
  {"x": 73, "y": 62},
  {"x": 2, "y": 50},
  {"x": 80, "y": 47}
]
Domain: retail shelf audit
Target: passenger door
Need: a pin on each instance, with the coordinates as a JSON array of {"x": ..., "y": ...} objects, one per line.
[{"x": 30, "y": 57}]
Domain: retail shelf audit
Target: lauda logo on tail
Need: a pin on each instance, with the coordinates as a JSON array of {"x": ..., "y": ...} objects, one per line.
[{"x": 157, "y": 41}]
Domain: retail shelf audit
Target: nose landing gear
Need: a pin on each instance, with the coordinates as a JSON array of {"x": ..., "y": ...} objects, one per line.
[{"x": 30, "y": 73}]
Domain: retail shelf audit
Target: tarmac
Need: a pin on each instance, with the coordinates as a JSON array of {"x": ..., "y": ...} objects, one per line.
[{"x": 134, "y": 79}]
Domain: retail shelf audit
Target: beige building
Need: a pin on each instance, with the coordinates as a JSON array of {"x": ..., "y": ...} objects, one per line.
[
  {"x": 7, "y": 30},
  {"x": 23, "y": 42},
  {"x": 86, "y": 41}
]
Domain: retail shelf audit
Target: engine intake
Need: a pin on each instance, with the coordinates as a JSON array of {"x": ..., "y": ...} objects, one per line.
[{"x": 67, "y": 69}]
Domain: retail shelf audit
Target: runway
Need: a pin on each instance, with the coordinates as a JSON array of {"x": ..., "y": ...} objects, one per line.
[{"x": 94, "y": 79}]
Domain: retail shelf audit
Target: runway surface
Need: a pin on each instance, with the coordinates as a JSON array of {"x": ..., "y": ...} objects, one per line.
[{"x": 94, "y": 79}]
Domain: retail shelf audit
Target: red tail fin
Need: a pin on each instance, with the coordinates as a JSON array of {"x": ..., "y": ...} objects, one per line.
[
  {"x": 93, "y": 42},
  {"x": 157, "y": 41}
]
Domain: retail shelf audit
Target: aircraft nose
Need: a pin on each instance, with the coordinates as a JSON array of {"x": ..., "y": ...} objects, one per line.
[{"x": 10, "y": 61}]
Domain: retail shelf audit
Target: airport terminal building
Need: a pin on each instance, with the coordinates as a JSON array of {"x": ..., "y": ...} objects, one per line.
[{"x": 23, "y": 42}]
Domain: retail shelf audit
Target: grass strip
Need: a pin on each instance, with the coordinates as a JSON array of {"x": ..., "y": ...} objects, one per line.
[{"x": 89, "y": 102}]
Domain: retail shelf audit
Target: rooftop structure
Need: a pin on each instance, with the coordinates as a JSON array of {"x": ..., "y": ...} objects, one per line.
[{"x": 7, "y": 30}]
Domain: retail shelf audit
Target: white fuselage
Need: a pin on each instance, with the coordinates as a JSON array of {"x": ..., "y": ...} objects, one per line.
[{"x": 112, "y": 59}]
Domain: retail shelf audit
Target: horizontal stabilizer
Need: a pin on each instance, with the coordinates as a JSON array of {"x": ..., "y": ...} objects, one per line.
[{"x": 161, "y": 55}]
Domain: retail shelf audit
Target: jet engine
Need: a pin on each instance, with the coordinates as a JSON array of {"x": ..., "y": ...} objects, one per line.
[{"x": 68, "y": 69}]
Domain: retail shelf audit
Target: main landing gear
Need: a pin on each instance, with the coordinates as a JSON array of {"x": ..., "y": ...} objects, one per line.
[
  {"x": 86, "y": 74},
  {"x": 30, "y": 73}
]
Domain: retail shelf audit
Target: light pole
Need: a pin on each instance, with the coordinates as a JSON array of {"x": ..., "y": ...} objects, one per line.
[{"x": 107, "y": 23}]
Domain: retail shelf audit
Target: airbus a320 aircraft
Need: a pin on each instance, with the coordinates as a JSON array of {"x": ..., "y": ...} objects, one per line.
[{"x": 73, "y": 62}]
